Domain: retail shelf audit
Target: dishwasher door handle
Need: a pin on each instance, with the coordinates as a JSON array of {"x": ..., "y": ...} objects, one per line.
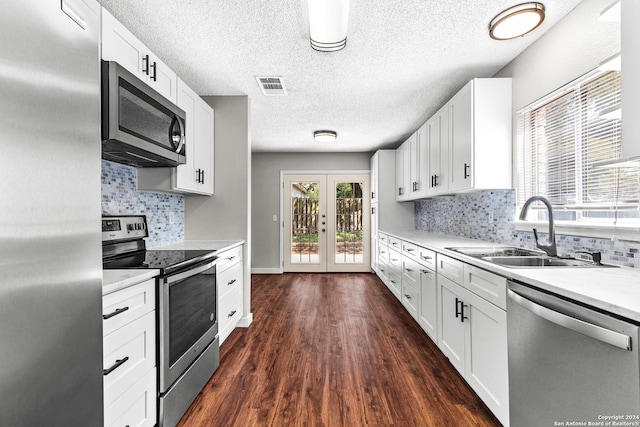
[{"x": 594, "y": 331}]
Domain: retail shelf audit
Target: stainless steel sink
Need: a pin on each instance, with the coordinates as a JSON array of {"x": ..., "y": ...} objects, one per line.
[
  {"x": 495, "y": 251},
  {"x": 512, "y": 257},
  {"x": 541, "y": 261}
]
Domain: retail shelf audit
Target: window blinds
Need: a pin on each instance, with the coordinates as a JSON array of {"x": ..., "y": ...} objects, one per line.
[{"x": 560, "y": 139}]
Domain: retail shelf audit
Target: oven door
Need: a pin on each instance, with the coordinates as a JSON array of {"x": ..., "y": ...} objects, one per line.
[{"x": 187, "y": 319}]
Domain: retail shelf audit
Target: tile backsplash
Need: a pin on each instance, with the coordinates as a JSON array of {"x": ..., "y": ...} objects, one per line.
[
  {"x": 487, "y": 216},
  {"x": 120, "y": 196}
]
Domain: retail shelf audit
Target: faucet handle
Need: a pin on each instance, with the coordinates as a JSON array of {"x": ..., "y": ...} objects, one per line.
[{"x": 595, "y": 256}]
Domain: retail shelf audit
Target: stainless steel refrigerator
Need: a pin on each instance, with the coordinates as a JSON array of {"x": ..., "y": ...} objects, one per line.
[{"x": 50, "y": 248}]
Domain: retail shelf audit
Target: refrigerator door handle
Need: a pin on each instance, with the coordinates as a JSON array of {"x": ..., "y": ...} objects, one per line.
[{"x": 596, "y": 332}]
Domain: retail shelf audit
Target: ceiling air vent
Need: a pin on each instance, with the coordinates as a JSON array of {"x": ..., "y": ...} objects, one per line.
[{"x": 271, "y": 85}]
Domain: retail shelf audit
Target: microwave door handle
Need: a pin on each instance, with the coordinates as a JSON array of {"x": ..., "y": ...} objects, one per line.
[{"x": 181, "y": 126}]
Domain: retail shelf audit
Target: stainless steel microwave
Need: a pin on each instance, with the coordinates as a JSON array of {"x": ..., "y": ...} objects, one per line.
[{"x": 140, "y": 127}]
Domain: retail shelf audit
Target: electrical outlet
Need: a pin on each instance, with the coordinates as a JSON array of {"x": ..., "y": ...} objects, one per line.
[
  {"x": 275, "y": 218},
  {"x": 491, "y": 217},
  {"x": 172, "y": 217}
]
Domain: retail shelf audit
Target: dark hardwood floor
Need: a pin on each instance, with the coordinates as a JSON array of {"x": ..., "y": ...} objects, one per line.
[{"x": 333, "y": 350}]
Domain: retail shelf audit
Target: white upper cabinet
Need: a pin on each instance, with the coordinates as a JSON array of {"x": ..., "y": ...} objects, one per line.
[
  {"x": 480, "y": 138},
  {"x": 121, "y": 46},
  {"x": 419, "y": 164},
  {"x": 403, "y": 170},
  {"x": 195, "y": 176},
  {"x": 438, "y": 152}
]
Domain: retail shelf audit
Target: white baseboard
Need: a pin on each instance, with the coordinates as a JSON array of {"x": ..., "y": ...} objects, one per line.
[
  {"x": 266, "y": 271},
  {"x": 245, "y": 321}
]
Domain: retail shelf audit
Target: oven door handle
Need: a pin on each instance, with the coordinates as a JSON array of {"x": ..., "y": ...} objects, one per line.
[{"x": 170, "y": 280}]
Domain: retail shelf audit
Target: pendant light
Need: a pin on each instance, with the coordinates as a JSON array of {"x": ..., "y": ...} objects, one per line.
[{"x": 517, "y": 21}]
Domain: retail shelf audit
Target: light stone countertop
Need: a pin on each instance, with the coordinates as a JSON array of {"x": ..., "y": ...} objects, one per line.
[
  {"x": 113, "y": 280},
  {"x": 615, "y": 290}
]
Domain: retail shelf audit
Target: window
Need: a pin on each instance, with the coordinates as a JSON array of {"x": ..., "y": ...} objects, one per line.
[{"x": 561, "y": 137}]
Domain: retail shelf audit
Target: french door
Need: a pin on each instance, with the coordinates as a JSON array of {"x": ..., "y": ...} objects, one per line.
[{"x": 326, "y": 223}]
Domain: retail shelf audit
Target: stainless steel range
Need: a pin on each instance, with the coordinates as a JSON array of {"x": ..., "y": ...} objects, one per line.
[{"x": 187, "y": 323}]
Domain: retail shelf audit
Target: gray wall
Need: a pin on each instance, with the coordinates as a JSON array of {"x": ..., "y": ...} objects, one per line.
[
  {"x": 227, "y": 214},
  {"x": 265, "y": 184}
]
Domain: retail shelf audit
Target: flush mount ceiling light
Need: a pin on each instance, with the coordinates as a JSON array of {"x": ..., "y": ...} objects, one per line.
[
  {"x": 328, "y": 24},
  {"x": 325, "y": 135},
  {"x": 516, "y": 21}
]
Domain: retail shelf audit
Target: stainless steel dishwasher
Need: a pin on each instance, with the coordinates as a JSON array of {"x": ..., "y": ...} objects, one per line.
[{"x": 569, "y": 363}]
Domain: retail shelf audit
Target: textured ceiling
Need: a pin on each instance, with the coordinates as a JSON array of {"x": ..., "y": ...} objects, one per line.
[{"x": 404, "y": 59}]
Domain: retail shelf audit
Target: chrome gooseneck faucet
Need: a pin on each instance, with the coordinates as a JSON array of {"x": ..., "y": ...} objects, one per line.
[{"x": 550, "y": 248}]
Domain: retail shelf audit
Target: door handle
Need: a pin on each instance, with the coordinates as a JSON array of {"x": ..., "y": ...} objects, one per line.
[{"x": 594, "y": 331}]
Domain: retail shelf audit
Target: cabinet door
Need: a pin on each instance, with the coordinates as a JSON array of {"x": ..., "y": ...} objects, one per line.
[
  {"x": 374, "y": 178},
  {"x": 419, "y": 164},
  {"x": 120, "y": 45},
  {"x": 451, "y": 326},
  {"x": 428, "y": 308},
  {"x": 374, "y": 237},
  {"x": 185, "y": 175},
  {"x": 204, "y": 146},
  {"x": 461, "y": 139},
  {"x": 402, "y": 172},
  {"x": 438, "y": 135},
  {"x": 486, "y": 363},
  {"x": 162, "y": 78}
]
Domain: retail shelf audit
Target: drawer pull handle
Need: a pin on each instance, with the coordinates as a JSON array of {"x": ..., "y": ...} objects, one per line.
[
  {"x": 394, "y": 243},
  {"x": 115, "y": 366},
  {"x": 232, "y": 313},
  {"x": 425, "y": 271},
  {"x": 115, "y": 313},
  {"x": 231, "y": 258},
  {"x": 231, "y": 282},
  {"x": 426, "y": 257},
  {"x": 407, "y": 296},
  {"x": 409, "y": 249},
  {"x": 408, "y": 269}
]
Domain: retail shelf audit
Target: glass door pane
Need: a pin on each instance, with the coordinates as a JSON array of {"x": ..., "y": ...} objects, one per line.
[{"x": 349, "y": 240}]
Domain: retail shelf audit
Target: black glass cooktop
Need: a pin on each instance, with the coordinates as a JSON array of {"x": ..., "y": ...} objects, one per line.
[{"x": 167, "y": 261}]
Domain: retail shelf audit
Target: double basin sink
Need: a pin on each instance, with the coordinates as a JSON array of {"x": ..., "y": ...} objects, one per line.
[{"x": 518, "y": 257}]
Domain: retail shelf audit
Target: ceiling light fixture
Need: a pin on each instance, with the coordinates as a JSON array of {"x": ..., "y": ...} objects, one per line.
[
  {"x": 325, "y": 135},
  {"x": 516, "y": 21},
  {"x": 328, "y": 24}
]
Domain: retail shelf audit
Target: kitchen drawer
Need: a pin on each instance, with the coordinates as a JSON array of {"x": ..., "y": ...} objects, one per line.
[
  {"x": 228, "y": 258},
  {"x": 383, "y": 239},
  {"x": 125, "y": 305},
  {"x": 410, "y": 250},
  {"x": 394, "y": 283},
  {"x": 229, "y": 280},
  {"x": 383, "y": 253},
  {"x": 410, "y": 273},
  {"x": 135, "y": 346},
  {"x": 409, "y": 299},
  {"x": 395, "y": 262},
  {"x": 487, "y": 285},
  {"x": 230, "y": 311},
  {"x": 395, "y": 243},
  {"x": 136, "y": 406},
  {"x": 383, "y": 270},
  {"x": 450, "y": 268},
  {"x": 427, "y": 258}
]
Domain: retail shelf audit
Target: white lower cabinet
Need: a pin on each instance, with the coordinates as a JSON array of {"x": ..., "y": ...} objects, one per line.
[
  {"x": 129, "y": 356},
  {"x": 473, "y": 335},
  {"x": 462, "y": 308},
  {"x": 230, "y": 284}
]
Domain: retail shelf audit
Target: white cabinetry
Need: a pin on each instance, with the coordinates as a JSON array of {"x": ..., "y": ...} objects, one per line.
[
  {"x": 473, "y": 332},
  {"x": 480, "y": 137},
  {"x": 230, "y": 284},
  {"x": 403, "y": 170},
  {"x": 418, "y": 164},
  {"x": 121, "y": 46},
  {"x": 428, "y": 307},
  {"x": 129, "y": 356},
  {"x": 438, "y": 152},
  {"x": 196, "y": 176}
]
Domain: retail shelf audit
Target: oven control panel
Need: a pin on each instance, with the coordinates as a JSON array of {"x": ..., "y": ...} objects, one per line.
[{"x": 126, "y": 227}]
